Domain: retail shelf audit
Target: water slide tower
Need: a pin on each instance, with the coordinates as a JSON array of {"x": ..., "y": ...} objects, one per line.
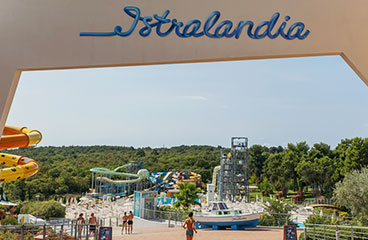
[{"x": 233, "y": 177}]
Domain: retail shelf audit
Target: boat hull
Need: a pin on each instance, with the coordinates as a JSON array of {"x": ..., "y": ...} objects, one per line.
[{"x": 236, "y": 222}]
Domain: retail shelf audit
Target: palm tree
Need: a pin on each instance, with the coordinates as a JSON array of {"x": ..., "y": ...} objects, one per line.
[
  {"x": 188, "y": 193},
  {"x": 279, "y": 210}
]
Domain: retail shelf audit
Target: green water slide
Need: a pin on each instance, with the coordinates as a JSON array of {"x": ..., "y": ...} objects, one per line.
[{"x": 139, "y": 176}]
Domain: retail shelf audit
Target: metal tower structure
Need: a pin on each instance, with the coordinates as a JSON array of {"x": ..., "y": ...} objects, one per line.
[{"x": 233, "y": 177}]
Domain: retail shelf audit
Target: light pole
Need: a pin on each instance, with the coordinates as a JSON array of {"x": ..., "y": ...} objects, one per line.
[{"x": 38, "y": 198}]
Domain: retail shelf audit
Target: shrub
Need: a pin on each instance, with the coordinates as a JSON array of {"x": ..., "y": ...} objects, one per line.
[
  {"x": 9, "y": 221},
  {"x": 167, "y": 209},
  {"x": 12, "y": 236},
  {"x": 50, "y": 209},
  {"x": 267, "y": 187},
  {"x": 267, "y": 220},
  {"x": 2, "y": 214},
  {"x": 318, "y": 220},
  {"x": 352, "y": 193},
  {"x": 47, "y": 209},
  {"x": 280, "y": 210},
  {"x": 327, "y": 220},
  {"x": 253, "y": 179}
]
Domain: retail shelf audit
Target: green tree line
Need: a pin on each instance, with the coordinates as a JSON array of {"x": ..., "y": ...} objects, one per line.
[
  {"x": 65, "y": 170},
  {"x": 298, "y": 165}
]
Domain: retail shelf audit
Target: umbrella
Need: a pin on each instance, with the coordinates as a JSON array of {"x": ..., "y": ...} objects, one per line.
[
  {"x": 321, "y": 213},
  {"x": 7, "y": 203}
]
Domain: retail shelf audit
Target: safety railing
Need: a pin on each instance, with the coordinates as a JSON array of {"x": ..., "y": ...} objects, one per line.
[
  {"x": 171, "y": 218},
  {"x": 338, "y": 232},
  {"x": 318, "y": 201},
  {"x": 65, "y": 230}
]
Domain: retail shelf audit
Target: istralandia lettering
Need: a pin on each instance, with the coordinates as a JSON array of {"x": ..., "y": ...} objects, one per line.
[{"x": 212, "y": 27}]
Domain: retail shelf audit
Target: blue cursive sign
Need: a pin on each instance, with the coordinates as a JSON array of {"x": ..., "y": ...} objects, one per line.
[{"x": 211, "y": 28}]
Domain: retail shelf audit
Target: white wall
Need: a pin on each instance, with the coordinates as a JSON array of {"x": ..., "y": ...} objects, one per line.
[{"x": 44, "y": 34}]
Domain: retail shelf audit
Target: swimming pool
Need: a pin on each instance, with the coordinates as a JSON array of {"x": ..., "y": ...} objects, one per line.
[{"x": 300, "y": 225}]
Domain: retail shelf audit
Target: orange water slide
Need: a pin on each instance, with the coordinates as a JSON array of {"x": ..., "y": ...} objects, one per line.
[{"x": 18, "y": 167}]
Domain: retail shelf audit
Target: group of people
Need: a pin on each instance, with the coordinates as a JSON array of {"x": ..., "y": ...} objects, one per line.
[
  {"x": 189, "y": 225},
  {"x": 92, "y": 223},
  {"x": 127, "y": 223}
]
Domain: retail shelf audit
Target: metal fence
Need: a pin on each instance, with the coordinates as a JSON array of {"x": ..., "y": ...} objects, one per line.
[
  {"x": 338, "y": 232},
  {"x": 65, "y": 229},
  {"x": 170, "y": 217},
  {"x": 318, "y": 201}
]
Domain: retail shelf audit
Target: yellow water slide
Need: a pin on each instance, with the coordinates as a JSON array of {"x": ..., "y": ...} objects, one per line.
[
  {"x": 215, "y": 174},
  {"x": 18, "y": 167}
]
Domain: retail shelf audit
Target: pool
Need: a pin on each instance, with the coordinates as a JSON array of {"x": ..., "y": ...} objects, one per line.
[{"x": 300, "y": 225}]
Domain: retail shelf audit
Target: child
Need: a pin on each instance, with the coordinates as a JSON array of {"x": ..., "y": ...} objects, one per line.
[{"x": 189, "y": 226}]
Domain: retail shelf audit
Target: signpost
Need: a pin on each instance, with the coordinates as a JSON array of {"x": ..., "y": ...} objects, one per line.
[
  {"x": 290, "y": 232},
  {"x": 105, "y": 233}
]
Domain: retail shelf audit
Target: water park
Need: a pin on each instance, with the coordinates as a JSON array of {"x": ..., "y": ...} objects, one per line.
[
  {"x": 273, "y": 185},
  {"x": 162, "y": 200}
]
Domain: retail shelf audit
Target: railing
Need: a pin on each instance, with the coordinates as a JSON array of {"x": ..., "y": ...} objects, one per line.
[
  {"x": 171, "y": 218},
  {"x": 318, "y": 201},
  {"x": 338, "y": 232},
  {"x": 178, "y": 217},
  {"x": 54, "y": 230}
]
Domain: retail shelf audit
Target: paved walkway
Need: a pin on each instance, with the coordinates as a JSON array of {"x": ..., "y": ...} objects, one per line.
[{"x": 157, "y": 231}]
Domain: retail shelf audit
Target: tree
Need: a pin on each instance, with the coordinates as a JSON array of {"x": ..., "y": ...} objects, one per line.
[
  {"x": 356, "y": 155},
  {"x": 266, "y": 186},
  {"x": 317, "y": 167},
  {"x": 352, "y": 193},
  {"x": 187, "y": 196},
  {"x": 292, "y": 157},
  {"x": 257, "y": 157},
  {"x": 141, "y": 153},
  {"x": 52, "y": 209},
  {"x": 339, "y": 154},
  {"x": 278, "y": 212},
  {"x": 274, "y": 172},
  {"x": 65, "y": 170},
  {"x": 47, "y": 209}
]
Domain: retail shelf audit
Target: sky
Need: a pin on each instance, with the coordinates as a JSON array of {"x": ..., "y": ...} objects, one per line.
[{"x": 272, "y": 102}]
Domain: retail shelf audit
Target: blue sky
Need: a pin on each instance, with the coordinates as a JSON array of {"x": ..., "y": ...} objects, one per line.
[{"x": 272, "y": 102}]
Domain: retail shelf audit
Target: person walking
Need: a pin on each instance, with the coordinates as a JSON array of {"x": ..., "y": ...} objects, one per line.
[
  {"x": 92, "y": 222},
  {"x": 125, "y": 225},
  {"x": 189, "y": 226},
  {"x": 80, "y": 223},
  {"x": 130, "y": 222}
]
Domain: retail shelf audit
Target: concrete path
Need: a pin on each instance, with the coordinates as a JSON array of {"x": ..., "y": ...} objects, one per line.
[{"x": 159, "y": 231}]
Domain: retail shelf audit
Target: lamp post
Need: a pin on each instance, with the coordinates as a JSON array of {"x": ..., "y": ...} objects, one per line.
[{"x": 38, "y": 198}]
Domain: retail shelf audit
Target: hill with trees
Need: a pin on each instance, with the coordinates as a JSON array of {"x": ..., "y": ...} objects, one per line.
[{"x": 65, "y": 170}]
